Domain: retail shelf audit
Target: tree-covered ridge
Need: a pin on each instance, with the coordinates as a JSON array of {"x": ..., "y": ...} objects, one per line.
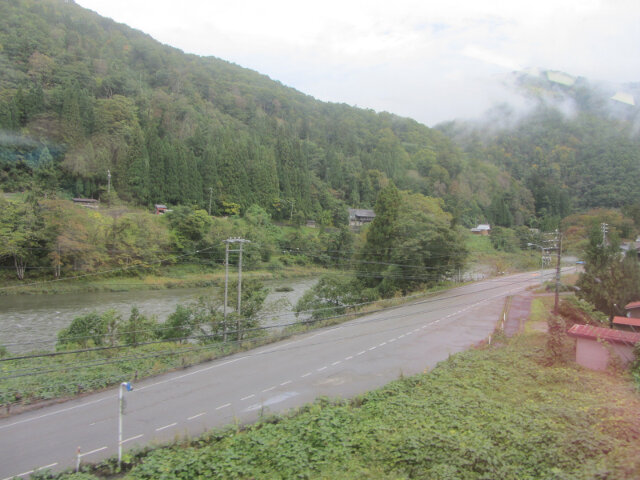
[
  {"x": 576, "y": 149},
  {"x": 81, "y": 95}
]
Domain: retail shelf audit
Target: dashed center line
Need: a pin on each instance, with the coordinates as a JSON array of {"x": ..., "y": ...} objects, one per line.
[
  {"x": 247, "y": 397},
  {"x": 349, "y": 357},
  {"x": 360, "y": 353},
  {"x": 268, "y": 389},
  {"x": 285, "y": 383},
  {"x": 130, "y": 439},
  {"x": 196, "y": 416},
  {"x": 382, "y": 344},
  {"x": 305, "y": 375},
  {"x": 372, "y": 348},
  {"x": 391, "y": 340},
  {"x": 321, "y": 369},
  {"x": 336, "y": 363},
  {"x": 159, "y": 429},
  {"x": 223, "y": 406}
]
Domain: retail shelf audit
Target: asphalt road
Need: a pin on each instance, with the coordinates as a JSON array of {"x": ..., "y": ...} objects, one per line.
[{"x": 340, "y": 361}]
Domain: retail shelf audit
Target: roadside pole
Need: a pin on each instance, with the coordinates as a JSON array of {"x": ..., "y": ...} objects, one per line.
[
  {"x": 559, "y": 252},
  {"x": 128, "y": 386}
]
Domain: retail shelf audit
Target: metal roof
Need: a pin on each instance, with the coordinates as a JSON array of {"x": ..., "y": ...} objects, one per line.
[{"x": 608, "y": 334}]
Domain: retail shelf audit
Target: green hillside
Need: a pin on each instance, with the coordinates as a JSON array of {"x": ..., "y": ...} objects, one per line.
[{"x": 81, "y": 95}]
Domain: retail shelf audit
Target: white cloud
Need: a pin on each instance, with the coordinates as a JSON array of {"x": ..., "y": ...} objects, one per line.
[{"x": 429, "y": 60}]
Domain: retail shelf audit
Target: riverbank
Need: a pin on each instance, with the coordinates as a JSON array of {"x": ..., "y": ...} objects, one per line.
[{"x": 169, "y": 277}]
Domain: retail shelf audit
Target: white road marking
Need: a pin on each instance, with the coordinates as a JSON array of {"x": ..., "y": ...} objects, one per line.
[
  {"x": 285, "y": 383},
  {"x": 132, "y": 438},
  {"x": 166, "y": 426},
  {"x": 321, "y": 369},
  {"x": 57, "y": 412},
  {"x": 223, "y": 406},
  {"x": 349, "y": 357},
  {"x": 268, "y": 389},
  {"x": 391, "y": 340},
  {"x": 247, "y": 397},
  {"x": 93, "y": 451},
  {"x": 372, "y": 348},
  {"x": 382, "y": 344},
  {"x": 360, "y": 353},
  {"x": 193, "y": 417},
  {"x": 30, "y": 471},
  {"x": 305, "y": 375},
  {"x": 336, "y": 363},
  {"x": 401, "y": 336}
]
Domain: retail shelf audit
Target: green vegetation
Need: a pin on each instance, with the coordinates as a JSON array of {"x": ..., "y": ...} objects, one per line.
[{"x": 487, "y": 413}]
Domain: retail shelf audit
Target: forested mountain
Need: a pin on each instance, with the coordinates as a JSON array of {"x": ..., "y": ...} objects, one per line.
[
  {"x": 577, "y": 148},
  {"x": 81, "y": 95}
]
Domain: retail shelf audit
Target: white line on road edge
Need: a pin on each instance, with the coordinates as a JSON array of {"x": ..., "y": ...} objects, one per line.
[
  {"x": 30, "y": 471},
  {"x": 130, "y": 439},
  {"x": 223, "y": 406},
  {"x": 92, "y": 451},
  {"x": 166, "y": 426},
  {"x": 247, "y": 397},
  {"x": 196, "y": 416}
]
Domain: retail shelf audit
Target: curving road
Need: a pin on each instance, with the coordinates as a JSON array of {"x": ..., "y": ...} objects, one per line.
[{"x": 340, "y": 361}]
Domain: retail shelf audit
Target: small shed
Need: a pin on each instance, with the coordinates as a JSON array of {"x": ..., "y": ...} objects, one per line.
[
  {"x": 594, "y": 345},
  {"x": 160, "y": 209},
  {"x": 86, "y": 202},
  {"x": 633, "y": 309},
  {"x": 482, "y": 229},
  {"x": 627, "y": 323}
]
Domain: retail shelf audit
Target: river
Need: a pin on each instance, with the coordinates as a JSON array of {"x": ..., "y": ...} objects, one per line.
[{"x": 31, "y": 322}]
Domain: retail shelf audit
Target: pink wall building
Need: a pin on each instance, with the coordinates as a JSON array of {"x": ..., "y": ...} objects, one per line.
[{"x": 594, "y": 345}]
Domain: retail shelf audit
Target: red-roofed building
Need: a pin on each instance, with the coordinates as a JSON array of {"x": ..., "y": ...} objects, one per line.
[
  {"x": 594, "y": 344},
  {"x": 627, "y": 323},
  {"x": 633, "y": 309}
]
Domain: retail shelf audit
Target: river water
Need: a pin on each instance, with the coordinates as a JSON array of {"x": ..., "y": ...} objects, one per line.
[{"x": 31, "y": 322}]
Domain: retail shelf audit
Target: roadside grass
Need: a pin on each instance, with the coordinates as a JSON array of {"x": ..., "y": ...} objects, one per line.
[{"x": 487, "y": 413}]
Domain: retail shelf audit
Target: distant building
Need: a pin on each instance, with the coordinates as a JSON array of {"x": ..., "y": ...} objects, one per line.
[
  {"x": 594, "y": 345},
  {"x": 87, "y": 202},
  {"x": 633, "y": 309},
  {"x": 359, "y": 216},
  {"x": 482, "y": 229},
  {"x": 161, "y": 209}
]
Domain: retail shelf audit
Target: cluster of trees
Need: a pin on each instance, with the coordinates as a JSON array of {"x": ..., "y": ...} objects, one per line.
[{"x": 202, "y": 321}]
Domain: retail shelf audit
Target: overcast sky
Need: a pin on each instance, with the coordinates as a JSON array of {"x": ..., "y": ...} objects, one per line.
[{"x": 429, "y": 60}]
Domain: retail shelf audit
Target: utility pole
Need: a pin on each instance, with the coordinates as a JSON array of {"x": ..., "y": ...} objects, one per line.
[
  {"x": 121, "y": 404},
  {"x": 108, "y": 181},
  {"x": 559, "y": 252},
  {"x": 604, "y": 228},
  {"x": 241, "y": 241},
  {"x": 210, "y": 195}
]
